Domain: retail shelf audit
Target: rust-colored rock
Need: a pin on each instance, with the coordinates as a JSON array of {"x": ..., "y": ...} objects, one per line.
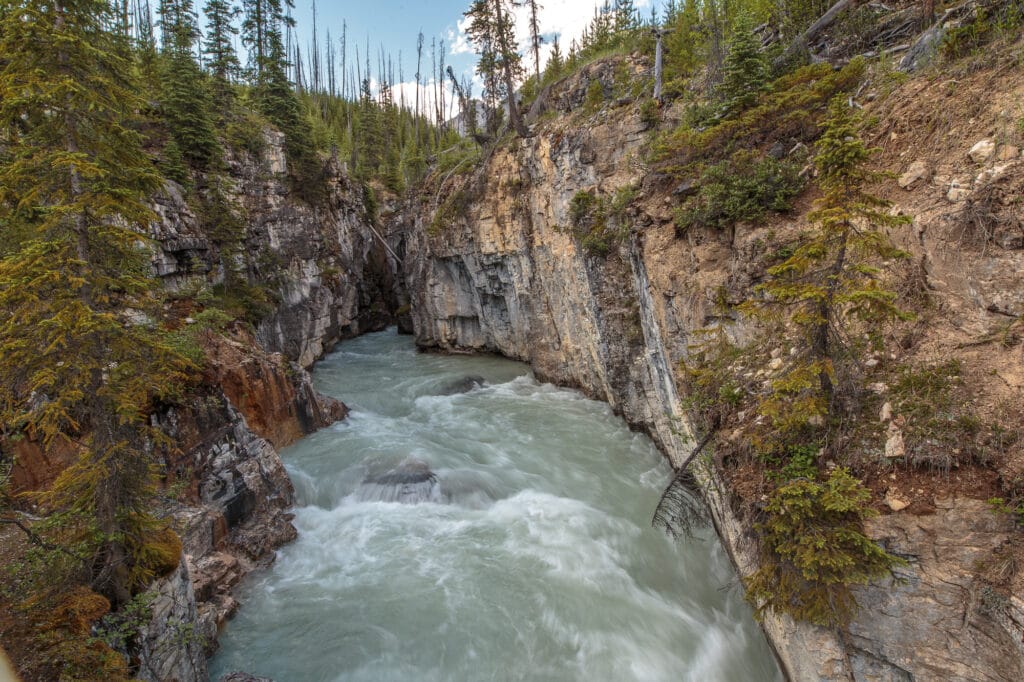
[
  {"x": 36, "y": 467},
  {"x": 276, "y": 398}
]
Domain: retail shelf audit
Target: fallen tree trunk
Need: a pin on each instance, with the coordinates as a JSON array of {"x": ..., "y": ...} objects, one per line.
[{"x": 805, "y": 38}]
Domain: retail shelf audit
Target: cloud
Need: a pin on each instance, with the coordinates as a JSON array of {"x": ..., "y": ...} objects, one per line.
[
  {"x": 428, "y": 97},
  {"x": 563, "y": 18},
  {"x": 459, "y": 41}
]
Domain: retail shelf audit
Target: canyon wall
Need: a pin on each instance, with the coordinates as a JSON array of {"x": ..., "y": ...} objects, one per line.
[
  {"x": 498, "y": 269},
  {"x": 329, "y": 277}
]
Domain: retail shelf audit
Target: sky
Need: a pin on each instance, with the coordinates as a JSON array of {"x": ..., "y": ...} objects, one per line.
[{"x": 394, "y": 24}]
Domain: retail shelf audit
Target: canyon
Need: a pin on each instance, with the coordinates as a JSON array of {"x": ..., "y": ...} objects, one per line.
[{"x": 486, "y": 262}]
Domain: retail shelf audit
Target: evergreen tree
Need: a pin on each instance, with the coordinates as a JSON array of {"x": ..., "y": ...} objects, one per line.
[
  {"x": 481, "y": 31},
  {"x": 556, "y": 63},
  {"x": 685, "y": 44},
  {"x": 369, "y": 141},
  {"x": 74, "y": 185},
  {"x": 626, "y": 18},
  {"x": 263, "y": 28},
  {"x": 535, "y": 35},
  {"x": 829, "y": 283},
  {"x": 221, "y": 59},
  {"x": 254, "y": 23},
  {"x": 509, "y": 61},
  {"x": 184, "y": 96},
  {"x": 492, "y": 31},
  {"x": 746, "y": 67}
]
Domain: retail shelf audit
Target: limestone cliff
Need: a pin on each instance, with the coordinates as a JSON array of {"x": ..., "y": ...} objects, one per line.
[
  {"x": 326, "y": 266},
  {"x": 331, "y": 277},
  {"x": 500, "y": 270}
]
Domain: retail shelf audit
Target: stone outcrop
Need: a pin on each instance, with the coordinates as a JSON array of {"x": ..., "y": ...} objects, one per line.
[
  {"x": 170, "y": 646},
  {"x": 326, "y": 265},
  {"x": 502, "y": 272},
  {"x": 275, "y": 395},
  {"x": 332, "y": 277}
]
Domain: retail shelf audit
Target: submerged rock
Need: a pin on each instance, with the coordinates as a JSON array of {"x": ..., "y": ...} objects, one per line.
[
  {"x": 410, "y": 482},
  {"x": 463, "y": 385},
  {"x": 242, "y": 677}
]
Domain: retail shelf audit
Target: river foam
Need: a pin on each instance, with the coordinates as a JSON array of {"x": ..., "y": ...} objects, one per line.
[{"x": 534, "y": 560}]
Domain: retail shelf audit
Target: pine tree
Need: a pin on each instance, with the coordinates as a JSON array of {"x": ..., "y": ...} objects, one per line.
[
  {"x": 492, "y": 31},
  {"x": 369, "y": 139},
  {"x": 263, "y": 29},
  {"x": 746, "y": 67},
  {"x": 829, "y": 283},
  {"x": 509, "y": 61},
  {"x": 255, "y": 17},
  {"x": 625, "y": 16},
  {"x": 184, "y": 95},
  {"x": 74, "y": 184},
  {"x": 814, "y": 550},
  {"x": 221, "y": 59},
  {"x": 556, "y": 64},
  {"x": 481, "y": 31},
  {"x": 685, "y": 44}
]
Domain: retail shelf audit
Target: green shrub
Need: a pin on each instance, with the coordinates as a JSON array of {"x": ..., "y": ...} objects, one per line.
[
  {"x": 742, "y": 188},
  {"x": 590, "y": 216},
  {"x": 244, "y": 301},
  {"x": 595, "y": 97},
  {"x": 582, "y": 207},
  {"x": 942, "y": 430},
  {"x": 452, "y": 209},
  {"x": 814, "y": 551},
  {"x": 791, "y": 110},
  {"x": 186, "y": 339},
  {"x": 370, "y": 204},
  {"x": 650, "y": 113},
  {"x": 987, "y": 25}
]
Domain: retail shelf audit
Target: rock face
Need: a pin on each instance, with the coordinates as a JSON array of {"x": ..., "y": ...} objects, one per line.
[
  {"x": 333, "y": 278},
  {"x": 503, "y": 273},
  {"x": 326, "y": 264},
  {"x": 276, "y": 397},
  {"x": 170, "y": 647},
  {"x": 953, "y": 638}
]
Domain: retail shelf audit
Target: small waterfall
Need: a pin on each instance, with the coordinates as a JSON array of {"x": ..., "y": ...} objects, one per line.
[{"x": 410, "y": 482}]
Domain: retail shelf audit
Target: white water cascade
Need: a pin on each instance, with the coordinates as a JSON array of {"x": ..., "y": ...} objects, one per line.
[{"x": 468, "y": 523}]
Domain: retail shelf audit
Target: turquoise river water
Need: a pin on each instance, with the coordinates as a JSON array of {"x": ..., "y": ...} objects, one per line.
[{"x": 529, "y": 554}]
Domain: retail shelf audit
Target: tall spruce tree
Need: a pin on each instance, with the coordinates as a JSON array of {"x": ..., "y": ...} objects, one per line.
[
  {"x": 626, "y": 17},
  {"x": 221, "y": 59},
  {"x": 746, "y": 67},
  {"x": 76, "y": 370},
  {"x": 263, "y": 30},
  {"x": 829, "y": 283},
  {"x": 492, "y": 31},
  {"x": 481, "y": 31},
  {"x": 369, "y": 138},
  {"x": 556, "y": 63},
  {"x": 185, "y": 95},
  {"x": 536, "y": 38}
]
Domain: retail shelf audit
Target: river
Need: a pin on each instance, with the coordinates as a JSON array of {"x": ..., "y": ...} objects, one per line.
[{"x": 531, "y": 557}]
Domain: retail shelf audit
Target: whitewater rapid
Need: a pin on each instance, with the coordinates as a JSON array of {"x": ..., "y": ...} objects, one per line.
[{"x": 533, "y": 559}]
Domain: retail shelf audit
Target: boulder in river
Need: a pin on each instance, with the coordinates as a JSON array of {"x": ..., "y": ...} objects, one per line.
[
  {"x": 410, "y": 482},
  {"x": 463, "y": 385}
]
